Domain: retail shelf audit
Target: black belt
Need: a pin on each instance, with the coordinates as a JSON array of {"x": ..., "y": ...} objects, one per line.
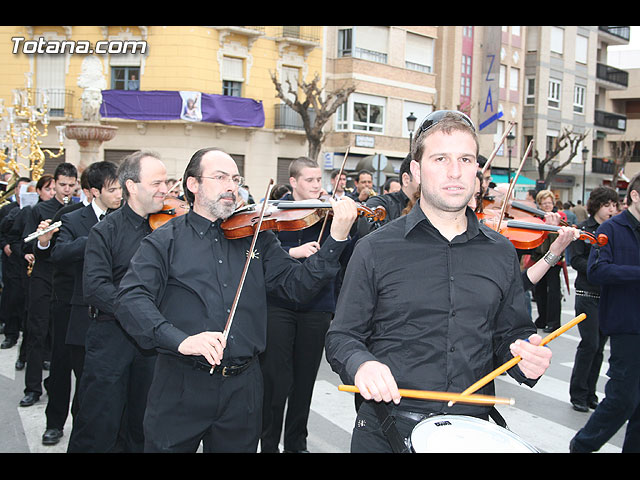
[{"x": 224, "y": 370}]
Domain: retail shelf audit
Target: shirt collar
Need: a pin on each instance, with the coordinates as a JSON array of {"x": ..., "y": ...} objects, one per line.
[
  {"x": 136, "y": 220},
  {"x": 417, "y": 216},
  {"x": 97, "y": 210},
  {"x": 199, "y": 223}
]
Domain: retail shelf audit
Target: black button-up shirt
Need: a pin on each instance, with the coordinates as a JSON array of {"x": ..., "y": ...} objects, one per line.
[
  {"x": 440, "y": 314},
  {"x": 579, "y": 257},
  {"x": 110, "y": 245},
  {"x": 183, "y": 280}
]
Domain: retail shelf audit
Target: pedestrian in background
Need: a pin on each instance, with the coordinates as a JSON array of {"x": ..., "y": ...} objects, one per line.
[{"x": 616, "y": 268}]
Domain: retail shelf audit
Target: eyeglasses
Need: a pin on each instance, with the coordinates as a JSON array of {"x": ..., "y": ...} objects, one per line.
[
  {"x": 225, "y": 177},
  {"x": 435, "y": 117}
]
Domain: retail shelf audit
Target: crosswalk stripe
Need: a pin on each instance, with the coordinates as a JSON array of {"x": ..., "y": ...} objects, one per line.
[
  {"x": 336, "y": 406},
  {"x": 544, "y": 435}
]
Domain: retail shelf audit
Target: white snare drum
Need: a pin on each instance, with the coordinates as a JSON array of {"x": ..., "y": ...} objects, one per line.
[{"x": 462, "y": 434}]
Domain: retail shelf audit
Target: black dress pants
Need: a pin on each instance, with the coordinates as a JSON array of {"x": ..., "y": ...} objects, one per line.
[
  {"x": 549, "y": 299},
  {"x": 112, "y": 391},
  {"x": 621, "y": 403},
  {"x": 187, "y": 405},
  {"x": 290, "y": 362},
  {"x": 589, "y": 354},
  {"x": 38, "y": 323},
  {"x": 60, "y": 375},
  {"x": 13, "y": 306}
]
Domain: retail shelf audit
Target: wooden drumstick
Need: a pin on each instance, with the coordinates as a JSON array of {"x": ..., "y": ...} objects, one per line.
[
  {"x": 515, "y": 360},
  {"x": 441, "y": 396}
]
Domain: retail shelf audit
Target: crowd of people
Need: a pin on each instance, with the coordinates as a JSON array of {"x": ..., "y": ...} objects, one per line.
[{"x": 182, "y": 338}]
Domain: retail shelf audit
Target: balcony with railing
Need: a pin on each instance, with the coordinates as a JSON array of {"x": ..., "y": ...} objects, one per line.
[
  {"x": 610, "y": 121},
  {"x": 612, "y": 76},
  {"x": 288, "y": 119},
  {"x": 60, "y": 101},
  {"x": 602, "y": 165},
  {"x": 303, "y": 33},
  {"x": 621, "y": 33}
]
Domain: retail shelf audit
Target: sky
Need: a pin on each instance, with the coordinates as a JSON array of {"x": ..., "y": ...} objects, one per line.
[{"x": 626, "y": 56}]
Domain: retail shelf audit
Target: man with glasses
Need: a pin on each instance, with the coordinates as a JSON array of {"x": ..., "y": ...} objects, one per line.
[
  {"x": 117, "y": 372},
  {"x": 177, "y": 298},
  {"x": 432, "y": 301}
]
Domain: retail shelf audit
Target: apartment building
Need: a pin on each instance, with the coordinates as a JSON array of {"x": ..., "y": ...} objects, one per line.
[
  {"x": 566, "y": 81},
  {"x": 626, "y": 102},
  {"x": 394, "y": 71}
]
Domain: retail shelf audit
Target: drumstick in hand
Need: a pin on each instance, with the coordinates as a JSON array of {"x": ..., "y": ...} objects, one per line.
[
  {"x": 441, "y": 396},
  {"x": 515, "y": 360}
]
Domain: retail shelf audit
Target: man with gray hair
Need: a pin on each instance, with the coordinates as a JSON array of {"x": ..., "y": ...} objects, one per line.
[{"x": 117, "y": 372}]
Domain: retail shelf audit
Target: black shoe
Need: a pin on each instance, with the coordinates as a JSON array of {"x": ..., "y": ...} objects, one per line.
[
  {"x": 579, "y": 406},
  {"x": 29, "y": 399},
  {"x": 592, "y": 404},
  {"x": 295, "y": 451},
  {"x": 51, "y": 436},
  {"x": 549, "y": 329},
  {"x": 20, "y": 364},
  {"x": 8, "y": 343}
]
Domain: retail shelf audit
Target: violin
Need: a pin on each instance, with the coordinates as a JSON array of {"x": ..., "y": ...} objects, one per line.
[
  {"x": 600, "y": 240},
  {"x": 287, "y": 216},
  {"x": 172, "y": 207},
  {"x": 522, "y": 238},
  {"x": 279, "y": 216},
  {"x": 494, "y": 211}
]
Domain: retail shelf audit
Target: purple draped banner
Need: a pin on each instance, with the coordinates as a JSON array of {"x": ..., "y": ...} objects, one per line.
[{"x": 173, "y": 105}]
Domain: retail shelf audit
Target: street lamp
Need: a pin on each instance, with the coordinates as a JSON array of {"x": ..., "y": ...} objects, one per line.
[
  {"x": 411, "y": 125},
  {"x": 510, "y": 138},
  {"x": 585, "y": 155}
]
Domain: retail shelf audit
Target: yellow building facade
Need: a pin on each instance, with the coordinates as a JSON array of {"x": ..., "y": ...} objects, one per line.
[{"x": 212, "y": 60}]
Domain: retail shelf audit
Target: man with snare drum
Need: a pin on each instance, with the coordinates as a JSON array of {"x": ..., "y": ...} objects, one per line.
[{"x": 432, "y": 301}]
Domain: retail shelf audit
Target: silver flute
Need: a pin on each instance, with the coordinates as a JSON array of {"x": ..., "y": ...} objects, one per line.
[{"x": 37, "y": 233}]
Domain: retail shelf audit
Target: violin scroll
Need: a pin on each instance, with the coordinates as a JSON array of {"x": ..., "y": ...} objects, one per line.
[
  {"x": 376, "y": 214},
  {"x": 601, "y": 240}
]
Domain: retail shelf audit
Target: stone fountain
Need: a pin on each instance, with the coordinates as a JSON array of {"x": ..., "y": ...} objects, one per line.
[{"x": 90, "y": 133}]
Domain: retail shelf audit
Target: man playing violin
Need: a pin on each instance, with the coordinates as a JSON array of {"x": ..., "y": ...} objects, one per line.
[
  {"x": 296, "y": 331},
  {"x": 117, "y": 373},
  {"x": 177, "y": 298},
  {"x": 432, "y": 300}
]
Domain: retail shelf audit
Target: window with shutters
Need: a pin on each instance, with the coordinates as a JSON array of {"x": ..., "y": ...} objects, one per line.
[
  {"x": 419, "y": 53},
  {"x": 232, "y": 76}
]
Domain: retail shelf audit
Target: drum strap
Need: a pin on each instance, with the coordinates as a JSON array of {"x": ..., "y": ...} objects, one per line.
[
  {"x": 496, "y": 417},
  {"x": 388, "y": 425}
]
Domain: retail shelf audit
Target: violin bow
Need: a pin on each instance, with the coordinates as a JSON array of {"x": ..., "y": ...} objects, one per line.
[
  {"x": 512, "y": 186},
  {"x": 227, "y": 327},
  {"x": 344, "y": 162},
  {"x": 495, "y": 150},
  {"x": 178, "y": 182}
]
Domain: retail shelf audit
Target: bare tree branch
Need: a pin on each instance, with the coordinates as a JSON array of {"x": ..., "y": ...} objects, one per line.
[
  {"x": 622, "y": 151},
  {"x": 568, "y": 139},
  {"x": 315, "y": 109}
]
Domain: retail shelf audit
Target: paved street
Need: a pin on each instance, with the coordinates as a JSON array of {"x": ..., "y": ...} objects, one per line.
[{"x": 541, "y": 416}]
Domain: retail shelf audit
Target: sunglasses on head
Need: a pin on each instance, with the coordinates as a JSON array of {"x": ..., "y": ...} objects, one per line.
[{"x": 435, "y": 117}]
